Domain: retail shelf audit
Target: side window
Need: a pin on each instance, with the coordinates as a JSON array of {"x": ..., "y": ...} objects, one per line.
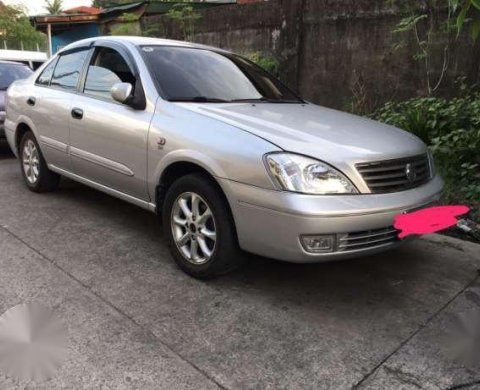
[
  {"x": 47, "y": 73},
  {"x": 107, "y": 68},
  {"x": 68, "y": 70}
]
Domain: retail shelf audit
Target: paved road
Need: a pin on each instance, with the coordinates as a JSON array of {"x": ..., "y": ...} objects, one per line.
[{"x": 136, "y": 321}]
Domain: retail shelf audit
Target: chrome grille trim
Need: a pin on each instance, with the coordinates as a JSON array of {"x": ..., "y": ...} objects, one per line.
[
  {"x": 391, "y": 175},
  {"x": 367, "y": 239}
]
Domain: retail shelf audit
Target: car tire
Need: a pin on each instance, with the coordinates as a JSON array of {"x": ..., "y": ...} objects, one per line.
[
  {"x": 212, "y": 246},
  {"x": 35, "y": 172}
]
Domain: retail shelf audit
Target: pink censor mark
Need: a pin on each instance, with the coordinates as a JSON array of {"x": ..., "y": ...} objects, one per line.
[{"x": 427, "y": 221}]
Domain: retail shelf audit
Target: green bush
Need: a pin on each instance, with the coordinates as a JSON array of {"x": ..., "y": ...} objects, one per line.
[
  {"x": 267, "y": 62},
  {"x": 431, "y": 117},
  {"x": 451, "y": 128}
]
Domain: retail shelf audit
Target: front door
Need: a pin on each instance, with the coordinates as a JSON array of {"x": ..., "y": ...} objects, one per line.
[{"x": 108, "y": 140}]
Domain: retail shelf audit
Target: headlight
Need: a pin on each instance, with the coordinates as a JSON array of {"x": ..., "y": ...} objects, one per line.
[{"x": 296, "y": 173}]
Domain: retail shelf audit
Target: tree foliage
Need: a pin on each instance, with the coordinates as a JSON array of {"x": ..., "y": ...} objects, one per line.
[
  {"x": 16, "y": 30},
  {"x": 129, "y": 25},
  {"x": 186, "y": 17},
  {"x": 54, "y": 7}
]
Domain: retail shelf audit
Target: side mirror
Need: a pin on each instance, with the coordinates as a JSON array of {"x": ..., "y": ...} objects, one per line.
[{"x": 121, "y": 92}]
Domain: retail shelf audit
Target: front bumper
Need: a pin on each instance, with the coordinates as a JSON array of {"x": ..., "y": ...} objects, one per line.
[{"x": 270, "y": 223}]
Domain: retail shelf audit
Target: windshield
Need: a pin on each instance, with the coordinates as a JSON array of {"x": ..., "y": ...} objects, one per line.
[
  {"x": 11, "y": 72},
  {"x": 199, "y": 75}
]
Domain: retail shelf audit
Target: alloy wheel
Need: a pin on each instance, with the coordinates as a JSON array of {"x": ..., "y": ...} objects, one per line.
[
  {"x": 31, "y": 161},
  {"x": 194, "y": 228}
]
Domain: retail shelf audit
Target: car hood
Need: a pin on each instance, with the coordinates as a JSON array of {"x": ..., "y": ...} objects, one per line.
[{"x": 329, "y": 135}]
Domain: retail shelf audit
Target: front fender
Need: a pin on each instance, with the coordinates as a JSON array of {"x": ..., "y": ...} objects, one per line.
[{"x": 184, "y": 155}]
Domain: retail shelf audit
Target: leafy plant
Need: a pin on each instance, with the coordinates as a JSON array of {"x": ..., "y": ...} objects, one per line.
[
  {"x": 464, "y": 8},
  {"x": 452, "y": 130},
  {"x": 434, "y": 26},
  {"x": 267, "y": 62},
  {"x": 129, "y": 25},
  {"x": 186, "y": 17}
]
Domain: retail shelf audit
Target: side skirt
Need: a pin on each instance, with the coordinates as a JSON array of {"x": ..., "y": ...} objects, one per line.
[{"x": 100, "y": 187}]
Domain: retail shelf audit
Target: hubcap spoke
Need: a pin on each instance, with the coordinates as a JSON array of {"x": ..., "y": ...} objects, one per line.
[
  {"x": 208, "y": 234},
  {"x": 194, "y": 250},
  {"x": 185, "y": 209},
  {"x": 195, "y": 205},
  {"x": 204, "y": 217},
  {"x": 179, "y": 221},
  {"x": 184, "y": 239},
  {"x": 204, "y": 247}
]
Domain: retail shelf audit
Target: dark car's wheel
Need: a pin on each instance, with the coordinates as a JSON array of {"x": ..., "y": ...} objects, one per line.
[
  {"x": 36, "y": 174},
  {"x": 199, "y": 228}
]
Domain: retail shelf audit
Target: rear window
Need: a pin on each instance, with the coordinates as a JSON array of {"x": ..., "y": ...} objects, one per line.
[{"x": 12, "y": 72}]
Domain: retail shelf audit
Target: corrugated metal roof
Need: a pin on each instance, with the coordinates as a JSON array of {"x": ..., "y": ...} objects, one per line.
[
  {"x": 123, "y": 7},
  {"x": 162, "y": 7}
]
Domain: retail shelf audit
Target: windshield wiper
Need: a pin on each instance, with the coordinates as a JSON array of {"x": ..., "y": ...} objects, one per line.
[
  {"x": 263, "y": 100},
  {"x": 198, "y": 99}
]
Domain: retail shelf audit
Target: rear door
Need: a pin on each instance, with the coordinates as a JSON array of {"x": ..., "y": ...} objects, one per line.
[
  {"x": 51, "y": 104},
  {"x": 109, "y": 139}
]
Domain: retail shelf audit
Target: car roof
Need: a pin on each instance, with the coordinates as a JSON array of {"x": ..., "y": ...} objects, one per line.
[
  {"x": 139, "y": 41},
  {"x": 23, "y": 55},
  {"x": 2, "y": 62}
]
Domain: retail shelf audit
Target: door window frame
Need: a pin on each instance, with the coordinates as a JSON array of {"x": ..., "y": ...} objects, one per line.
[
  {"x": 87, "y": 49},
  {"x": 127, "y": 57},
  {"x": 139, "y": 90},
  {"x": 56, "y": 60}
]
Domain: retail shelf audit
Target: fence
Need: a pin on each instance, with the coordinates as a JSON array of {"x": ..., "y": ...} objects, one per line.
[{"x": 331, "y": 51}]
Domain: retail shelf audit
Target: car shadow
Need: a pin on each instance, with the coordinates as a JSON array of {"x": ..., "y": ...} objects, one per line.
[
  {"x": 379, "y": 278},
  {"x": 5, "y": 152}
]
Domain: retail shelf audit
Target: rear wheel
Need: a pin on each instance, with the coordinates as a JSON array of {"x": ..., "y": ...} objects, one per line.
[
  {"x": 36, "y": 174},
  {"x": 199, "y": 228}
]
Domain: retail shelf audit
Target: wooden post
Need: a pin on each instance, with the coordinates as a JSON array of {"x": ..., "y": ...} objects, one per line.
[{"x": 49, "y": 36}]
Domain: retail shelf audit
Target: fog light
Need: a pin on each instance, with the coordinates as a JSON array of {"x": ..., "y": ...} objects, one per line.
[{"x": 319, "y": 244}]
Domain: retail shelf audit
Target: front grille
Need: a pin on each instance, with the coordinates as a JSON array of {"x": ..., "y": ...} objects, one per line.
[
  {"x": 367, "y": 239},
  {"x": 395, "y": 175}
]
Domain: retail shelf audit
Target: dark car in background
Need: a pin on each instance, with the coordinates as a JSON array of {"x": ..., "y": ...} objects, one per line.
[{"x": 9, "y": 72}]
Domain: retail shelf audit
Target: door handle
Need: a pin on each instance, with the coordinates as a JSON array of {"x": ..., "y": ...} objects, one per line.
[
  {"x": 31, "y": 101},
  {"x": 77, "y": 113}
]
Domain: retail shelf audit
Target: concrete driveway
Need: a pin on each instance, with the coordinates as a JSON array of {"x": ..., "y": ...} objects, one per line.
[{"x": 136, "y": 321}]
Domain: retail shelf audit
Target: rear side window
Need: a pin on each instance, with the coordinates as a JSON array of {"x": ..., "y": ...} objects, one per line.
[
  {"x": 68, "y": 69},
  {"x": 46, "y": 75}
]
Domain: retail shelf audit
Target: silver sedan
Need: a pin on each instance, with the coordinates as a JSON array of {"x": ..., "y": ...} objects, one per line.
[{"x": 225, "y": 154}]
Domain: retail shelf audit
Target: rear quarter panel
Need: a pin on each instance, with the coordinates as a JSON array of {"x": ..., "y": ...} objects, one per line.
[{"x": 17, "y": 110}]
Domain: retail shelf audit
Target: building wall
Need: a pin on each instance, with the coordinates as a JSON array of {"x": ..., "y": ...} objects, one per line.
[
  {"x": 75, "y": 33},
  {"x": 329, "y": 50}
]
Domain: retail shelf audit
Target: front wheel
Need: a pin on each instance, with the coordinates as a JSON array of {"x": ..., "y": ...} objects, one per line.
[
  {"x": 199, "y": 228},
  {"x": 36, "y": 174}
]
